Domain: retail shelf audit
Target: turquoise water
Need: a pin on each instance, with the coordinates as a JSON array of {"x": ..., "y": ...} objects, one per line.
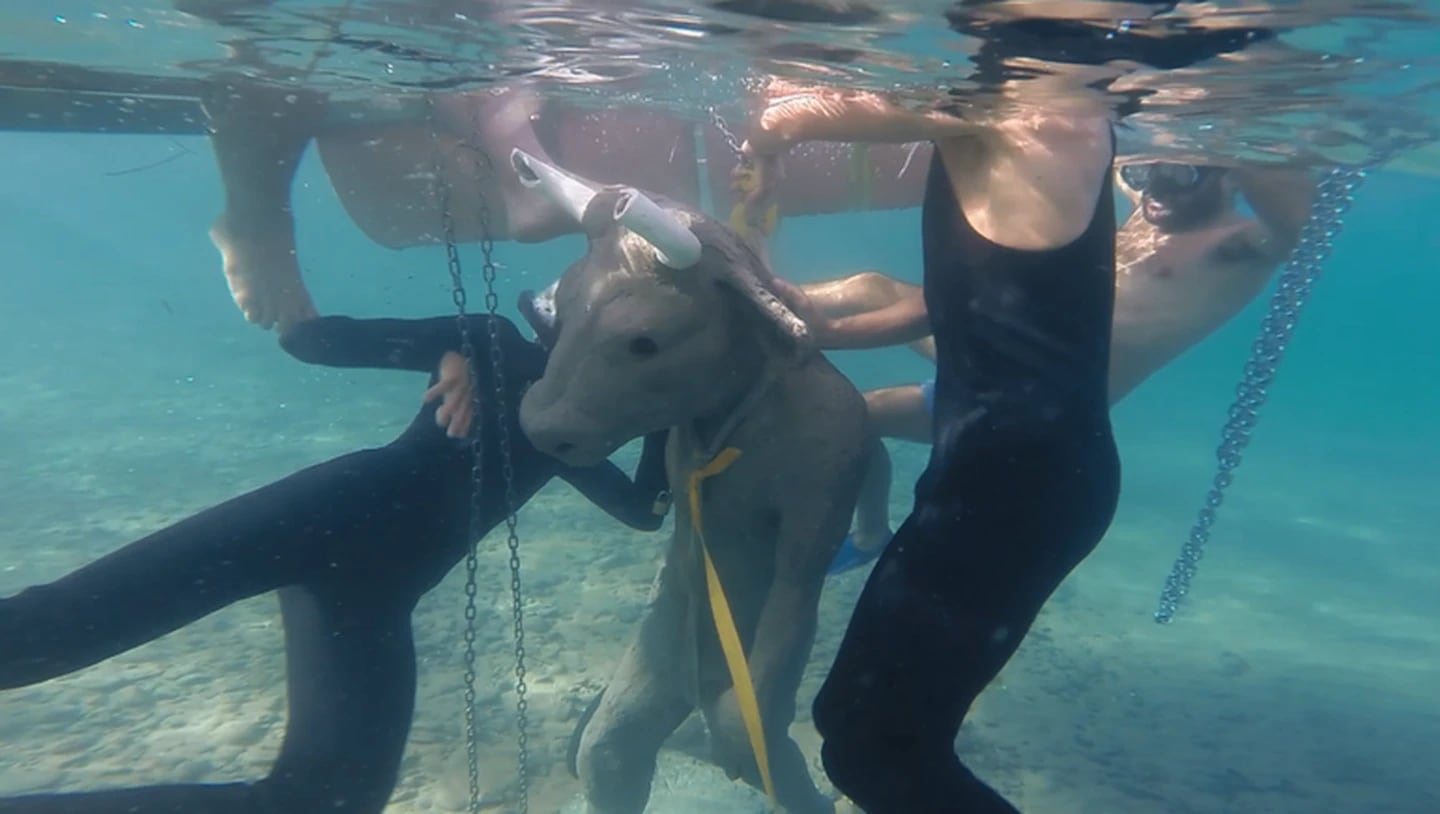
[{"x": 1300, "y": 676}]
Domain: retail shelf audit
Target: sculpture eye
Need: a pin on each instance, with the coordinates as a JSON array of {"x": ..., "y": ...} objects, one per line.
[{"x": 643, "y": 346}]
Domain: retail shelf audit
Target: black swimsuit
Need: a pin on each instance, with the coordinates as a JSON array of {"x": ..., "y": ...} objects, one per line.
[
  {"x": 1023, "y": 478},
  {"x": 351, "y": 544},
  {"x": 1022, "y": 483}
]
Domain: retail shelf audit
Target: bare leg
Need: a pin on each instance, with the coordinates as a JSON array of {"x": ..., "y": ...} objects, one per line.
[
  {"x": 259, "y": 134},
  {"x": 925, "y": 347},
  {"x": 872, "y": 510},
  {"x": 502, "y": 122},
  {"x": 895, "y": 412},
  {"x": 900, "y": 412},
  {"x": 858, "y": 293}
]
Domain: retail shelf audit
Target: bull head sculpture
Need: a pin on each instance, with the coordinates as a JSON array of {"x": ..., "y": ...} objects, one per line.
[{"x": 670, "y": 317}]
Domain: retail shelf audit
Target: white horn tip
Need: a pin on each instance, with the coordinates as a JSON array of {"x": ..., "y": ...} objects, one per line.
[
  {"x": 676, "y": 245},
  {"x": 520, "y": 162},
  {"x": 623, "y": 202}
]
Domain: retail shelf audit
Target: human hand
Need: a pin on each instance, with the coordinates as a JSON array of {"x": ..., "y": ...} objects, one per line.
[
  {"x": 758, "y": 171},
  {"x": 817, "y": 321},
  {"x": 456, "y": 394}
]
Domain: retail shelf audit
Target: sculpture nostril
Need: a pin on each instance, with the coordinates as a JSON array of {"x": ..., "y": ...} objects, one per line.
[{"x": 563, "y": 447}]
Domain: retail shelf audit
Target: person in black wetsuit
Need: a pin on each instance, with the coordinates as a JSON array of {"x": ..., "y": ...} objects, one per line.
[
  {"x": 1018, "y": 233},
  {"x": 351, "y": 545}
]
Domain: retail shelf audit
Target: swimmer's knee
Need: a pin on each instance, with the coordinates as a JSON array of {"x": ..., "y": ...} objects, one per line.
[
  {"x": 869, "y": 279},
  {"x": 879, "y": 290},
  {"x": 900, "y": 412}
]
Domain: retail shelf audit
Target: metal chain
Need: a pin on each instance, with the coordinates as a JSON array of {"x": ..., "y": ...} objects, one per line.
[
  {"x": 1334, "y": 195},
  {"x": 492, "y": 301},
  {"x": 725, "y": 132},
  {"x": 512, "y": 539}
]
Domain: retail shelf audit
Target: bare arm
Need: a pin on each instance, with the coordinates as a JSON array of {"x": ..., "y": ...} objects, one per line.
[
  {"x": 794, "y": 113},
  {"x": 1281, "y": 199},
  {"x": 904, "y": 319}
]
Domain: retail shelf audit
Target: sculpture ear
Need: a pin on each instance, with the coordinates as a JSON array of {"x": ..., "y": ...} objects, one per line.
[
  {"x": 741, "y": 269},
  {"x": 539, "y": 311},
  {"x": 566, "y": 190}
]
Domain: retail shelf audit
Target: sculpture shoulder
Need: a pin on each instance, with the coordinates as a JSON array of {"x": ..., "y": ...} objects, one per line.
[{"x": 825, "y": 414}]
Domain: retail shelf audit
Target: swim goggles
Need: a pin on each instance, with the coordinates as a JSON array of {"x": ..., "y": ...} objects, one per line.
[{"x": 1176, "y": 176}]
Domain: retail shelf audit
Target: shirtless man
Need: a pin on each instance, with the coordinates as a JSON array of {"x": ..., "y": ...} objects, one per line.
[
  {"x": 1018, "y": 233},
  {"x": 1187, "y": 261}
]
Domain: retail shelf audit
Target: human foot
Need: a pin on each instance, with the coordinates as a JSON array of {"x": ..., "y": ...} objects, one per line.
[
  {"x": 857, "y": 550},
  {"x": 263, "y": 273},
  {"x": 457, "y": 396},
  {"x": 499, "y": 123},
  {"x": 259, "y": 133}
]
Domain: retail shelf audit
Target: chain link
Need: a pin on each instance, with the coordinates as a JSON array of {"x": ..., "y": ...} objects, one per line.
[
  {"x": 512, "y": 539},
  {"x": 467, "y": 346},
  {"x": 726, "y": 133},
  {"x": 1334, "y": 195}
]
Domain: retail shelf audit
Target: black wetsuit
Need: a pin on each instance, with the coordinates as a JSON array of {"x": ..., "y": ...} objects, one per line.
[
  {"x": 351, "y": 544},
  {"x": 1021, "y": 485}
]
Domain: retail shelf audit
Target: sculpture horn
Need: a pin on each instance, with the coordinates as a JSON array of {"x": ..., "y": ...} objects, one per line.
[
  {"x": 676, "y": 245},
  {"x": 568, "y": 192}
]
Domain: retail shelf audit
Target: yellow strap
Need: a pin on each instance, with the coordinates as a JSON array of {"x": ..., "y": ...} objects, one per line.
[
  {"x": 725, "y": 625},
  {"x": 860, "y": 177},
  {"x": 747, "y": 180},
  {"x": 765, "y": 225}
]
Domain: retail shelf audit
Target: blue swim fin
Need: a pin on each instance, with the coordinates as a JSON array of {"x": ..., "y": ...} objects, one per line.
[{"x": 848, "y": 558}]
